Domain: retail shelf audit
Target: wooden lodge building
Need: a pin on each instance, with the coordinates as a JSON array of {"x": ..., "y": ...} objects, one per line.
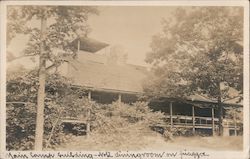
[{"x": 108, "y": 78}]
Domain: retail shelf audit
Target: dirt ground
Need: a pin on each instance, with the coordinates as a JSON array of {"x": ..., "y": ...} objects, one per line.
[{"x": 149, "y": 140}]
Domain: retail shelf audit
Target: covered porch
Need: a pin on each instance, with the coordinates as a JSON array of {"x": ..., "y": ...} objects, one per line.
[{"x": 198, "y": 116}]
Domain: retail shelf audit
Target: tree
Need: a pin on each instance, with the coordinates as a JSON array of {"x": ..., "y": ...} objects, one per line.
[
  {"x": 51, "y": 43},
  {"x": 199, "y": 52},
  {"x": 117, "y": 55}
]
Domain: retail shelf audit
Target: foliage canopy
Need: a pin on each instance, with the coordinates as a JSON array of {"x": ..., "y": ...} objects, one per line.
[
  {"x": 64, "y": 24},
  {"x": 198, "y": 52}
]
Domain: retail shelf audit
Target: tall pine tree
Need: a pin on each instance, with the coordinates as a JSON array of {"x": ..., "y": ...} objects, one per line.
[{"x": 59, "y": 25}]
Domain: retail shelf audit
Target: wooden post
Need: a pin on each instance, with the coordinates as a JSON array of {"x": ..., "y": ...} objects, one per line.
[
  {"x": 171, "y": 113},
  {"x": 120, "y": 98},
  {"x": 89, "y": 95},
  {"x": 88, "y": 117},
  {"x": 78, "y": 45},
  {"x": 185, "y": 120},
  {"x": 193, "y": 117},
  {"x": 213, "y": 128},
  {"x": 235, "y": 124}
]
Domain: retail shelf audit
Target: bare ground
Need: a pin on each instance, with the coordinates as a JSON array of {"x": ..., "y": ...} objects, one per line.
[{"x": 149, "y": 140}]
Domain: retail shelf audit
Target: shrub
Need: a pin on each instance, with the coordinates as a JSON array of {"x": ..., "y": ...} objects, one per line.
[
  {"x": 64, "y": 101},
  {"x": 118, "y": 116},
  {"x": 21, "y": 108},
  {"x": 119, "y": 125}
]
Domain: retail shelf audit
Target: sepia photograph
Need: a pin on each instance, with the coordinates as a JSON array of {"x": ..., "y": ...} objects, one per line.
[{"x": 124, "y": 78}]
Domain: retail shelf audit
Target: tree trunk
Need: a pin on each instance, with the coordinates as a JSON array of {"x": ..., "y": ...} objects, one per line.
[
  {"x": 41, "y": 90},
  {"x": 220, "y": 117},
  {"x": 220, "y": 107}
]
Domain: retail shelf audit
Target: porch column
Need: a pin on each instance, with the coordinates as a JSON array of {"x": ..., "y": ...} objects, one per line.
[
  {"x": 235, "y": 124},
  {"x": 171, "y": 113},
  {"x": 120, "y": 98},
  {"x": 88, "y": 116},
  {"x": 213, "y": 128},
  {"x": 78, "y": 45},
  {"x": 89, "y": 95},
  {"x": 193, "y": 118}
]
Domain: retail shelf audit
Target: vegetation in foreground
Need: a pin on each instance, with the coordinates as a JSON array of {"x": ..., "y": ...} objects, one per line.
[{"x": 63, "y": 100}]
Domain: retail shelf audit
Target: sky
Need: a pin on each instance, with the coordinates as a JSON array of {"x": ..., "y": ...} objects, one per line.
[{"x": 131, "y": 27}]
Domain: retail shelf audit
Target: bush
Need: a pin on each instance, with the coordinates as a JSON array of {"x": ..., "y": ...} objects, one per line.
[
  {"x": 20, "y": 126},
  {"x": 64, "y": 101},
  {"x": 117, "y": 116},
  {"x": 21, "y": 108},
  {"x": 119, "y": 125}
]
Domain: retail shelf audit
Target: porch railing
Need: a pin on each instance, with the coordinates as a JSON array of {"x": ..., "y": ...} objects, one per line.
[{"x": 200, "y": 122}]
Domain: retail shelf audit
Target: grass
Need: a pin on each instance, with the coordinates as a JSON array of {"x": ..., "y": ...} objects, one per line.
[{"x": 148, "y": 140}]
